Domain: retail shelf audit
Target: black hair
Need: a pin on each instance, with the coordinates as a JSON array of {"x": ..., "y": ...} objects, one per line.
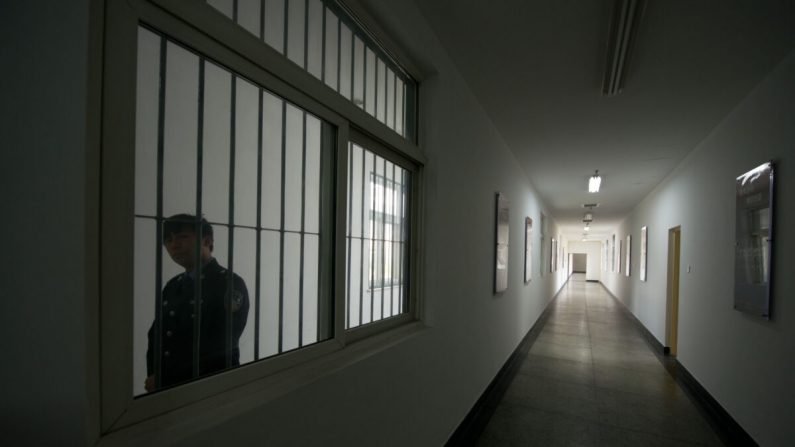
[{"x": 187, "y": 222}]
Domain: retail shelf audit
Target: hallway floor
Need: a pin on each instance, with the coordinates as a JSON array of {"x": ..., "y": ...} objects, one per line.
[{"x": 590, "y": 378}]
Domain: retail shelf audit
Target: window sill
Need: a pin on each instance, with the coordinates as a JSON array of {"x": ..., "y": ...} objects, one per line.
[{"x": 180, "y": 423}]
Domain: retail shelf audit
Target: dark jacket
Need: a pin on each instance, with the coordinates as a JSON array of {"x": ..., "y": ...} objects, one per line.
[{"x": 223, "y": 318}]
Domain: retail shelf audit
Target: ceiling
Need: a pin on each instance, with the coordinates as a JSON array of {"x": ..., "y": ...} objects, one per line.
[{"x": 536, "y": 68}]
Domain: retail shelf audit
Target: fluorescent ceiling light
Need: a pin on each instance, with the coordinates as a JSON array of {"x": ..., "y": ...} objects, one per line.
[
  {"x": 587, "y": 228},
  {"x": 627, "y": 15},
  {"x": 594, "y": 182}
]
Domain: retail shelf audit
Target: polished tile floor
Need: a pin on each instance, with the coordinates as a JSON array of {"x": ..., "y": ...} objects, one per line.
[{"x": 591, "y": 379}]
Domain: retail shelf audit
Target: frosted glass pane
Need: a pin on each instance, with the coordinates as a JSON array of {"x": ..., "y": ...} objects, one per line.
[
  {"x": 370, "y": 73},
  {"x": 295, "y": 30},
  {"x": 224, "y": 6},
  {"x": 292, "y": 269},
  {"x": 314, "y": 44},
  {"x": 272, "y": 109},
  {"x": 354, "y": 281},
  {"x": 245, "y": 266},
  {"x": 247, "y": 128},
  {"x": 248, "y": 16},
  {"x": 293, "y": 178},
  {"x": 368, "y": 203},
  {"x": 310, "y": 314},
  {"x": 390, "y": 98},
  {"x": 145, "y": 244},
  {"x": 380, "y": 86},
  {"x": 367, "y": 304},
  {"x": 274, "y": 24},
  {"x": 221, "y": 244},
  {"x": 356, "y": 188},
  {"x": 332, "y": 49},
  {"x": 346, "y": 59},
  {"x": 358, "y": 72},
  {"x": 180, "y": 132},
  {"x": 400, "y": 101},
  {"x": 146, "y": 114},
  {"x": 215, "y": 153},
  {"x": 269, "y": 294},
  {"x": 312, "y": 178}
]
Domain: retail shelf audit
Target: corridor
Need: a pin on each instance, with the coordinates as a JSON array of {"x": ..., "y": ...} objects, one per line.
[{"x": 590, "y": 378}]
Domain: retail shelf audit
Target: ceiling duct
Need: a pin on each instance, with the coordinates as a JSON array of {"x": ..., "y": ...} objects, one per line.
[{"x": 624, "y": 26}]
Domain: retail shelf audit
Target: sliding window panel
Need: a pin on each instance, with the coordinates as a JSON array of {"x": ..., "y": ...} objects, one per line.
[
  {"x": 180, "y": 131},
  {"x": 217, "y": 141},
  {"x": 390, "y": 99},
  {"x": 314, "y": 36},
  {"x": 274, "y": 24},
  {"x": 246, "y": 153},
  {"x": 270, "y": 308},
  {"x": 400, "y": 104},
  {"x": 245, "y": 266},
  {"x": 146, "y": 118},
  {"x": 346, "y": 61},
  {"x": 272, "y": 151},
  {"x": 249, "y": 15},
  {"x": 296, "y": 32},
  {"x": 332, "y": 50}
]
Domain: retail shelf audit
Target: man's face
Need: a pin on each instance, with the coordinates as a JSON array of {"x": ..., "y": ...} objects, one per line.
[{"x": 181, "y": 246}]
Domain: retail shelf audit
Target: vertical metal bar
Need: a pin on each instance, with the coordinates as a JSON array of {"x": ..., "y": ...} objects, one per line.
[
  {"x": 261, "y": 33},
  {"x": 394, "y": 101},
  {"x": 350, "y": 235},
  {"x": 286, "y": 10},
  {"x": 258, "y": 261},
  {"x": 161, "y": 116},
  {"x": 353, "y": 66},
  {"x": 231, "y": 259},
  {"x": 375, "y": 89},
  {"x": 303, "y": 236},
  {"x": 383, "y": 238},
  {"x": 197, "y": 283},
  {"x": 281, "y": 229},
  {"x": 364, "y": 77}
]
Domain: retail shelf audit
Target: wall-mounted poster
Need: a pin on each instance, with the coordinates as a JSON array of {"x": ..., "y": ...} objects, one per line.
[
  {"x": 528, "y": 249},
  {"x": 618, "y": 256},
  {"x": 501, "y": 252},
  {"x": 553, "y": 255},
  {"x": 606, "y": 255},
  {"x": 643, "y": 252},
  {"x": 628, "y": 255},
  {"x": 541, "y": 251},
  {"x": 613, "y": 254},
  {"x": 754, "y": 240}
]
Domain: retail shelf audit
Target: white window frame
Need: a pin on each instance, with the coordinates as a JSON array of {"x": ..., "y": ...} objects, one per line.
[{"x": 206, "y": 31}]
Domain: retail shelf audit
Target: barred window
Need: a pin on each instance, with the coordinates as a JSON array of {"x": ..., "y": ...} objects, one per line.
[{"x": 322, "y": 38}]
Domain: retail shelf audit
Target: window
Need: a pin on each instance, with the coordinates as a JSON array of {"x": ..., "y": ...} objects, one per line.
[
  {"x": 321, "y": 37},
  {"x": 250, "y": 214}
]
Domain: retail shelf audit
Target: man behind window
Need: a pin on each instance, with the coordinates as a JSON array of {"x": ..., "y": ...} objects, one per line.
[{"x": 221, "y": 312}]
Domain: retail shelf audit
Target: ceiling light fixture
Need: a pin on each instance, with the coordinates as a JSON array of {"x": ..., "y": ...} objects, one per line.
[
  {"x": 594, "y": 182},
  {"x": 587, "y": 228},
  {"x": 624, "y": 26}
]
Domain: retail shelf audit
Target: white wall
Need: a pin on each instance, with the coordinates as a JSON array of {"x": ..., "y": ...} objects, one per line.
[
  {"x": 594, "y": 251},
  {"x": 43, "y": 172},
  {"x": 745, "y": 362}
]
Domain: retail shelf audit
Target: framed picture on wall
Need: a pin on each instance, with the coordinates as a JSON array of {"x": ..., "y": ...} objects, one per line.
[
  {"x": 627, "y": 269},
  {"x": 501, "y": 251},
  {"x": 618, "y": 256},
  {"x": 643, "y": 248},
  {"x": 613, "y": 254},
  {"x": 553, "y": 254},
  {"x": 528, "y": 249}
]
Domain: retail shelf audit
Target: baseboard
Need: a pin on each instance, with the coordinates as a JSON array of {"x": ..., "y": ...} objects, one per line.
[
  {"x": 475, "y": 421},
  {"x": 724, "y": 425}
]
